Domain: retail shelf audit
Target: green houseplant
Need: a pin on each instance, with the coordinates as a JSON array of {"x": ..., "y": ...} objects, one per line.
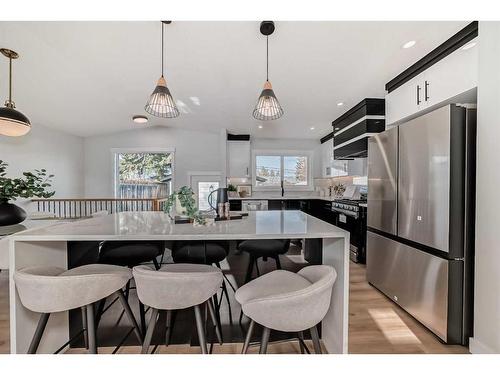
[
  {"x": 32, "y": 184},
  {"x": 185, "y": 204}
]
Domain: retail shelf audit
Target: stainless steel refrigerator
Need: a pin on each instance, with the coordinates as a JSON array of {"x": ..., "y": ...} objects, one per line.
[{"x": 421, "y": 207}]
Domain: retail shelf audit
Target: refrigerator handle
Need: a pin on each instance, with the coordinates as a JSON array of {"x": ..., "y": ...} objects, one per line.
[
  {"x": 426, "y": 91},
  {"x": 418, "y": 95}
]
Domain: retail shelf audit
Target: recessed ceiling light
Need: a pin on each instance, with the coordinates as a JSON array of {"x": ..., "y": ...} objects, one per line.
[
  {"x": 340, "y": 104},
  {"x": 312, "y": 127},
  {"x": 260, "y": 126},
  {"x": 468, "y": 46},
  {"x": 409, "y": 44},
  {"x": 337, "y": 128},
  {"x": 140, "y": 119}
]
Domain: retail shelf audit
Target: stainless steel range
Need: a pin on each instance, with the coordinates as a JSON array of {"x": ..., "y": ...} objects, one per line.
[{"x": 350, "y": 214}]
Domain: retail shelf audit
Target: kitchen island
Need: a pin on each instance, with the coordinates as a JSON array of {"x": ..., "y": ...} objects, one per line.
[{"x": 324, "y": 243}]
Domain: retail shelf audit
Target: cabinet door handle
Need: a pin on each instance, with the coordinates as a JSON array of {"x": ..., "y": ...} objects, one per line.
[
  {"x": 426, "y": 90},
  {"x": 418, "y": 95},
  {"x": 247, "y": 171}
]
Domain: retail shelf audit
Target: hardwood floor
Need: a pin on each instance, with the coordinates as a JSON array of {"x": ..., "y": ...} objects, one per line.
[{"x": 376, "y": 325}]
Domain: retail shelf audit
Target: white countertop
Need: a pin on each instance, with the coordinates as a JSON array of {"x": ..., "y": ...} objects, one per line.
[
  {"x": 149, "y": 225},
  {"x": 286, "y": 197}
]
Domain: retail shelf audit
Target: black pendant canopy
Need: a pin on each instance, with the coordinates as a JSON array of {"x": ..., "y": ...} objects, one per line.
[
  {"x": 268, "y": 106},
  {"x": 161, "y": 103},
  {"x": 12, "y": 122}
]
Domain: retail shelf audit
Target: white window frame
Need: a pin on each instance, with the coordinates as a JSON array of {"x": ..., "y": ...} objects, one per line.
[
  {"x": 282, "y": 153},
  {"x": 147, "y": 150}
]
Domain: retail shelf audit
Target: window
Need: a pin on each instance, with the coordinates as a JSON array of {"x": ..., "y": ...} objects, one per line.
[
  {"x": 143, "y": 174},
  {"x": 293, "y": 168},
  {"x": 204, "y": 190}
]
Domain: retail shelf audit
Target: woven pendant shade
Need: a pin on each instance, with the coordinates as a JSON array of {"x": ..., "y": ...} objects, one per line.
[
  {"x": 161, "y": 103},
  {"x": 268, "y": 106}
]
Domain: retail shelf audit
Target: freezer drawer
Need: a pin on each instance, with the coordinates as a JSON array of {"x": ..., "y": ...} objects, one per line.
[
  {"x": 382, "y": 180},
  {"x": 415, "y": 280}
]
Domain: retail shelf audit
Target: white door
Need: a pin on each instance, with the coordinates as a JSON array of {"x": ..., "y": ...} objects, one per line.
[{"x": 203, "y": 185}]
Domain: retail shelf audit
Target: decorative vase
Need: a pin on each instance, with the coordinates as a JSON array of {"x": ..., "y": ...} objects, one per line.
[{"x": 11, "y": 214}]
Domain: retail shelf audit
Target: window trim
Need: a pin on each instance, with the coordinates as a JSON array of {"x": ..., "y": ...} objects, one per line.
[
  {"x": 283, "y": 153},
  {"x": 135, "y": 150}
]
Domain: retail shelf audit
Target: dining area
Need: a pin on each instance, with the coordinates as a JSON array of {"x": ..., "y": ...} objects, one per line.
[{"x": 137, "y": 282}]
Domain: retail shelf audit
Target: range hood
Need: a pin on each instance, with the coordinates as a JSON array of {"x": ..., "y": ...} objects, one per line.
[{"x": 352, "y": 130}]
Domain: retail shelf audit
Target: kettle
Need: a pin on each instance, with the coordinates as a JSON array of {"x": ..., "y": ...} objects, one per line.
[{"x": 222, "y": 197}]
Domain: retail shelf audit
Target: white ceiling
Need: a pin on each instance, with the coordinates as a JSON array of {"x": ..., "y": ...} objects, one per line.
[{"x": 90, "y": 78}]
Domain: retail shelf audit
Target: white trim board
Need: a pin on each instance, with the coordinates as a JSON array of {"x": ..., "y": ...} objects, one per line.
[
  {"x": 367, "y": 117},
  {"x": 477, "y": 347}
]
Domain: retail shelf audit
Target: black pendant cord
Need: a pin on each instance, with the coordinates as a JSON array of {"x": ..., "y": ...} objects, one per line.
[
  {"x": 10, "y": 79},
  {"x": 162, "y": 26},
  {"x": 267, "y": 58}
]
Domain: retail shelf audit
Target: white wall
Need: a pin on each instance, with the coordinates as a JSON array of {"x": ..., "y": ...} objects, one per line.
[
  {"x": 59, "y": 153},
  {"x": 194, "y": 151},
  {"x": 487, "y": 276}
]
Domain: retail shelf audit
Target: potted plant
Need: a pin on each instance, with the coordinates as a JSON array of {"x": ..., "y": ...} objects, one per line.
[
  {"x": 232, "y": 191},
  {"x": 32, "y": 184},
  {"x": 185, "y": 205}
]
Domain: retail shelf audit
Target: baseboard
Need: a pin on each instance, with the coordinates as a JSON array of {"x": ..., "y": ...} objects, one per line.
[{"x": 477, "y": 347}]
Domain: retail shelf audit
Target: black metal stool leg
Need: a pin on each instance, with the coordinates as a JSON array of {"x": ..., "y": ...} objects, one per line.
[
  {"x": 248, "y": 337},
  {"x": 249, "y": 269},
  {"x": 215, "y": 321},
  {"x": 201, "y": 329},
  {"x": 91, "y": 329},
  {"x": 168, "y": 323},
  {"x": 85, "y": 327},
  {"x": 315, "y": 340},
  {"x": 303, "y": 346},
  {"x": 265, "y": 339},
  {"x": 42, "y": 323},
  {"x": 224, "y": 291},
  {"x": 278, "y": 263},
  {"x": 150, "y": 331},
  {"x": 142, "y": 315},
  {"x": 130, "y": 315}
]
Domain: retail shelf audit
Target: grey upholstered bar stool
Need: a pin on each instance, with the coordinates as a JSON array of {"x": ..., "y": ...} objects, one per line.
[
  {"x": 49, "y": 290},
  {"x": 288, "y": 302},
  {"x": 178, "y": 286}
]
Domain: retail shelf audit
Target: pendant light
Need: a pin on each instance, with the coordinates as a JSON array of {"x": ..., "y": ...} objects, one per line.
[
  {"x": 161, "y": 103},
  {"x": 268, "y": 106},
  {"x": 12, "y": 122}
]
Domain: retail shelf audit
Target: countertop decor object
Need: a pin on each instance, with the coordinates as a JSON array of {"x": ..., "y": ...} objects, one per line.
[
  {"x": 268, "y": 107},
  {"x": 32, "y": 184},
  {"x": 12, "y": 122},
  {"x": 161, "y": 103}
]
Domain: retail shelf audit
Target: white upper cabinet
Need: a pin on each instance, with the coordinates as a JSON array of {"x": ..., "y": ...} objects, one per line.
[
  {"x": 453, "y": 75},
  {"x": 327, "y": 158},
  {"x": 239, "y": 159},
  {"x": 329, "y": 166}
]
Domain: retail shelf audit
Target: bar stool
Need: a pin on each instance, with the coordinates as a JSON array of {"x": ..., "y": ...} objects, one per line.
[
  {"x": 178, "y": 286},
  {"x": 48, "y": 290},
  {"x": 263, "y": 249},
  {"x": 288, "y": 302},
  {"x": 129, "y": 254},
  {"x": 205, "y": 252}
]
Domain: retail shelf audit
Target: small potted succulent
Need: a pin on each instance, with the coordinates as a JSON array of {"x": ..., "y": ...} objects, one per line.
[
  {"x": 32, "y": 184},
  {"x": 232, "y": 191}
]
